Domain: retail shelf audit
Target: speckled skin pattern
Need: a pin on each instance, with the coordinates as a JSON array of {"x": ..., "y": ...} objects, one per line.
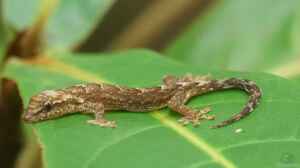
[{"x": 94, "y": 98}]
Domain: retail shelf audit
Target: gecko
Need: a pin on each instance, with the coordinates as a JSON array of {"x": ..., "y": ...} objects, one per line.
[{"x": 175, "y": 92}]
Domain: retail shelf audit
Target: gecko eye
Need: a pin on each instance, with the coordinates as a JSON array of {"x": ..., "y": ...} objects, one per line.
[{"x": 47, "y": 107}]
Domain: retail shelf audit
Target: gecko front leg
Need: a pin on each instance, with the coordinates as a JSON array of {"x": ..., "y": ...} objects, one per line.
[
  {"x": 98, "y": 110},
  {"x": 177, "y": 103}
]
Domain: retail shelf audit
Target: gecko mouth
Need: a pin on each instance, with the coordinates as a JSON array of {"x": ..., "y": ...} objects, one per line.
[
  {"x": 29, "y": 117},
  {"x": 33, "y": 116}
]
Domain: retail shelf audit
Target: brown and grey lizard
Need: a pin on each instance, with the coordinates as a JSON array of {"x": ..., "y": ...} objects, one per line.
[{"x": 93, "y": 98}]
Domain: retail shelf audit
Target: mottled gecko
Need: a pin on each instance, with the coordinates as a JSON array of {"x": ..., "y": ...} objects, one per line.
[{"x": 94, "y": 98}]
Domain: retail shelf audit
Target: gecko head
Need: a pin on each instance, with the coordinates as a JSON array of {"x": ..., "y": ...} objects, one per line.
[{"x": 43, "y": 106}]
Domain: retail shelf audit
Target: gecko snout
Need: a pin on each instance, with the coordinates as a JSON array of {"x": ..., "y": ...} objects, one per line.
[
  {"x": 30, "y": 115},
  {"x": 27, "y": 117}
]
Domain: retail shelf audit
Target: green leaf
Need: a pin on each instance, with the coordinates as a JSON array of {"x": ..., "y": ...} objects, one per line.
[
  {"x": 73, "y": 21},
  {"x": 269, "y": 137},
  {"x": 242, "y": 35},
  {"x": 21, "y": 19},
  {"x": 3, "y": 36},
  {"x": 68, "y": 24}
]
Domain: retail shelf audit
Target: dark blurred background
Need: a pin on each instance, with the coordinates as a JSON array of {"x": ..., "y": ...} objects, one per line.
[{"x": 148, "y": 24}]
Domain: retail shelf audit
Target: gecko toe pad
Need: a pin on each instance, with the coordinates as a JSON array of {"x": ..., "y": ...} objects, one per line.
[{"x": 103, "y": 123}]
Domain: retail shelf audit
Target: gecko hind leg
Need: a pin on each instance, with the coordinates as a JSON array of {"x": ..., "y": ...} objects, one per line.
[
  {"x": 190, "y": 115},
  {"x": 98, "y": 110},
  {"x": 196, "y": 116}
]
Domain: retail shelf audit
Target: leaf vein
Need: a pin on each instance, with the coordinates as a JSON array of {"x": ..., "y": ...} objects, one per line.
[{"x": 101, "y": 148}]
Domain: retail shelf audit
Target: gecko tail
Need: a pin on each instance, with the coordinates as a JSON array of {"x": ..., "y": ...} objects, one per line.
[{"x": 246, "y": 85}]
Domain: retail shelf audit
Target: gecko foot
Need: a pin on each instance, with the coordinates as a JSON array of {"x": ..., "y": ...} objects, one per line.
[
  {"x": 203, "y": 113},
  {"x": 196, "y": 117},
  {"x": 103, "y": 123}
]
